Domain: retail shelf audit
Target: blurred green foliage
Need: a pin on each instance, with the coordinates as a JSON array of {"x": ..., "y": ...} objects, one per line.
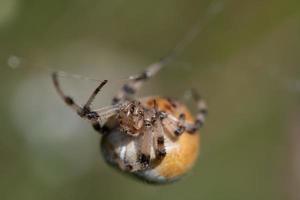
[{"x": 245, "y": 62}]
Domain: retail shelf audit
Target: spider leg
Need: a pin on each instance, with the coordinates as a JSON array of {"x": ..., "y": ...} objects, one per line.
[
  {"x": 85, "y": 112},
  {"x": 145, "y": 148},
  {"x": 159, "y": 141},
  {"x": 201, "y": 113},
  {"x": 134, "y": 85},
  {"x": 176, "y": 126},
  {"x": 179, "y": 125},
  {"x": 93, "y": 95},
  {"x": 68, "y": 100}
]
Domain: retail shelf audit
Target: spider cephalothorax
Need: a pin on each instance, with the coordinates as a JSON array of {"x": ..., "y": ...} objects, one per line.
[
  {"x": 131, "y": 117},
  {"x": 143, "y": 122}
]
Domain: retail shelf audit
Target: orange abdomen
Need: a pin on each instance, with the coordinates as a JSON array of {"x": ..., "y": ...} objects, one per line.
[{"x": 181, "y": 152}]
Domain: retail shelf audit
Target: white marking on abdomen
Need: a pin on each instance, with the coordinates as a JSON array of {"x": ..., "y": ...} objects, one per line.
[{"x": 123, "y": 153}]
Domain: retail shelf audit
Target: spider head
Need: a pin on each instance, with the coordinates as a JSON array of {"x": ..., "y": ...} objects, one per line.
[{"x": 131, "y": 117}]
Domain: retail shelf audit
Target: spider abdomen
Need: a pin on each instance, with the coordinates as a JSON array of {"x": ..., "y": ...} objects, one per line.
[{"x": 122, "y": 150}]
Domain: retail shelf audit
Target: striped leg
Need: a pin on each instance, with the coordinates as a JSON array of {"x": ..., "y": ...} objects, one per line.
[
  {"x": 174, "y": 125},
  {"x": 68, "y": 100},
  {"x": 145, "y": 148},
  {"x": 134, "y": 85},
  {"x": 179, "y": 125},
  {"x": 159, "y": 141},
  {"x": 85, "y": 111},
  {"x": 201, "y": 114},
  {"x": 158, "y": 134}
]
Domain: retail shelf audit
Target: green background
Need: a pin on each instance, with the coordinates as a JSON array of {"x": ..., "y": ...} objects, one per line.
[{"x": 245, "y": 62}]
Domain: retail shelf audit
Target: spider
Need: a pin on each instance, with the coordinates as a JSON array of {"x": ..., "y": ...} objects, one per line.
[{"x": 153, "y": 138}]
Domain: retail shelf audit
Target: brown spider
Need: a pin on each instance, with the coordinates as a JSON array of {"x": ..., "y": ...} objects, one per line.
[{"x": 153, "y": 138}]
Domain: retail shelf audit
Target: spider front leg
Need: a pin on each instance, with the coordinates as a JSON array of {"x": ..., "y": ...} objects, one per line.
[
  {"x": 85, "y": 111},
  {"x": 129, "y": 89}
]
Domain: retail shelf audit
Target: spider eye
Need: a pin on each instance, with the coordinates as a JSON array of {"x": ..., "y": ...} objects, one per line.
[
  {"x": 162, "y": 115},
  {"x": 131, "y": 109},
  {"x": 147, "y": 123},
  {"x": 153, "y": 119}
]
